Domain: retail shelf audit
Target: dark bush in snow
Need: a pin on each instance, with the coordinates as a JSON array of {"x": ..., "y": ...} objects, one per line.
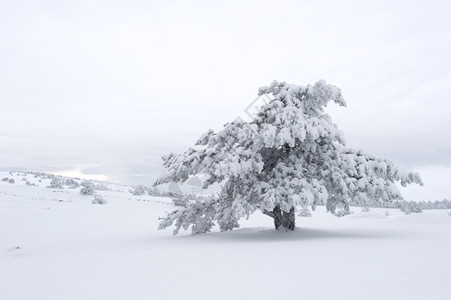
[
  {"x": 5, "y": 179},
  {"x": 11, "y": 180}
]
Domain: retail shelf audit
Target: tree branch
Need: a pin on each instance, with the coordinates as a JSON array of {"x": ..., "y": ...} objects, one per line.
[{"x": 268, "y": 213}]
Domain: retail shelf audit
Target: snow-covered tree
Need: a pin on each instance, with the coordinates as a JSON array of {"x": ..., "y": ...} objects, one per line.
[
  {"x": 56, "y": 183},
  {"x": 98, "y": 199},
  {"x": 87, "y": 188},
  {"x": 410, "y": 207},
  {"x": 72, "y": 183},
  {"x": 139, "y": 190},
  {"x": 304, "y": 212},
  {"x": 291, "y": 155}
]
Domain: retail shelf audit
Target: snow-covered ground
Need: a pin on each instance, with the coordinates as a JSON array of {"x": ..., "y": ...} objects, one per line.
[{"x": 55, "y": 244}]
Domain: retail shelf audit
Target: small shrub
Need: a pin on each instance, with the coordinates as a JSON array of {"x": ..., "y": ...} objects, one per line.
[
  {"x": 11, "y": 180},
  {"x": 99, "y": 200},
  {"x": 305, "y": 212},
  {"x": 342, "y": 212},
  {"x": 138, "y": 190},
  {"x": 56, "y": 183},
  {"x": 410, "y": 207},
  {"x": 72, "y": 183},
  {"x": 87, "y": 188}
]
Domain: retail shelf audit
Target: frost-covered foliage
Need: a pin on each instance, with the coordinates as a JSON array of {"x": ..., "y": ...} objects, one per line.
[
  {"x": 183, "y": 200},
  {"x": 199, "y": 215},
  {"x": 140, "y": 190},
  {"x": 101, "y": 187},
  {"x": 56, "y": 183},
  {"x": 410, "y": 207},
  {"x": 291, "y": 155},
  {"x": 98, "y": 199},
  {"x": 342, "y": 212},
  {"x": 72, "y": 183},
  {"x": 87, "y": 188},
  {"x": 178, "y": 198},
  {"x": 186, "y": 199},
  {"x": 304, "y": 212}
]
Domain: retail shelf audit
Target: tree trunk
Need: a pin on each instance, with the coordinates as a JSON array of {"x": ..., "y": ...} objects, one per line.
[{"x": 283, "y": 220}]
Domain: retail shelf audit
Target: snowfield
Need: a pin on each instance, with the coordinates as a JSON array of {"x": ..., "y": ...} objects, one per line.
[{"x": 55, "y": 244}]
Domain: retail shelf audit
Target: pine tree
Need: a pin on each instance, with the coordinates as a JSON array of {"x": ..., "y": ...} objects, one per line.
[{"x": 291, "y": 155}]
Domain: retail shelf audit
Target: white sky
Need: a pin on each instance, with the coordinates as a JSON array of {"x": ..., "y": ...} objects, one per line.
[{"x": 108, "y": 87}]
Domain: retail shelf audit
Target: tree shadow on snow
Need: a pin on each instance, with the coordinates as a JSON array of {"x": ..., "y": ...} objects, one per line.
[{"x": 299, "y": 234}]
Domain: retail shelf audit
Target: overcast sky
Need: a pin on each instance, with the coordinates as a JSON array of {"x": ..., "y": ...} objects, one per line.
[{"x": 108, "y": 87}]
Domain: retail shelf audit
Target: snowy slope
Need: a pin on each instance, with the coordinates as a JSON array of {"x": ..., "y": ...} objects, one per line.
[{"x": 55, "y": 244}]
